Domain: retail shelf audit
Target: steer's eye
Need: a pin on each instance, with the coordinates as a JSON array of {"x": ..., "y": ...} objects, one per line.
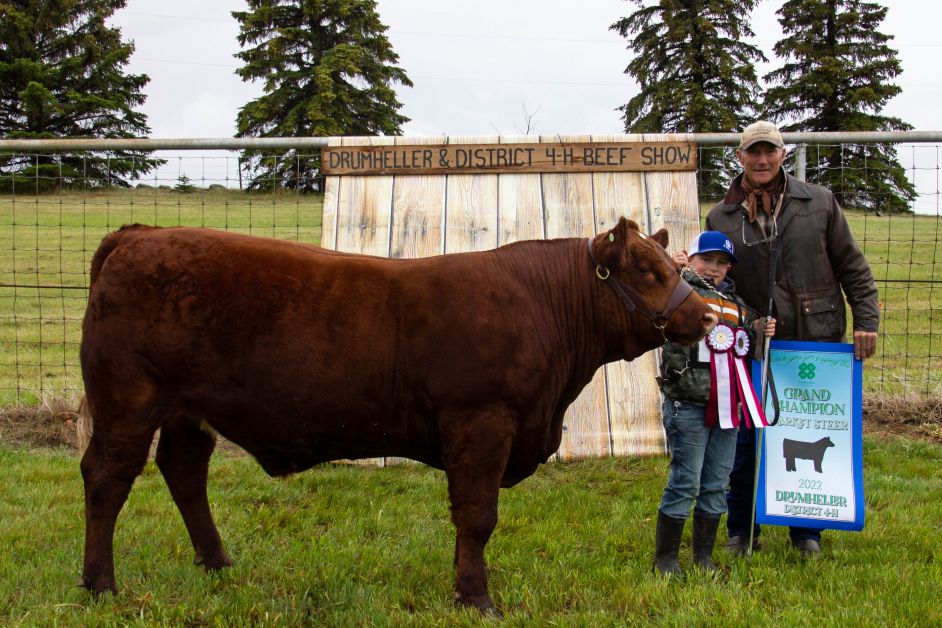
[{"x": 644, "y": 268}]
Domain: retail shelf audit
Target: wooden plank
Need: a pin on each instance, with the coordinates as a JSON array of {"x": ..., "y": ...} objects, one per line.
[
  {"x": 418, "y": 211},
  {"x": 365, "y": 209},
  {"x": 418, "y": 221},
  {"x": 331, "y": 199},
  {"x": 618, "y": 194},
  {"x": 551, "y": 155},
  {"x": 634, "y": 401},
  {"x": 364, "y": 212},
  {"x": 520, "y": 203},
  {"x": 671, "y": 202},
  {"x": 568, "y": 212},
  {"x": 471, "y": 207}
]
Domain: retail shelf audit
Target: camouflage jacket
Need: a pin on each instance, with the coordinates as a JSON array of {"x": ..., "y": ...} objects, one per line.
[{"x": 685, "y": 371}]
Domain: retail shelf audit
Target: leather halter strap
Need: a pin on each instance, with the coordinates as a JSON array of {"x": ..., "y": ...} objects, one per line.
[{"x": 633, "y": 300}]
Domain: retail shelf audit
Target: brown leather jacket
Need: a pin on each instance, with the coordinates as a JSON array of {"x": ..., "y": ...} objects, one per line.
[{"x": 818, "y": 257}]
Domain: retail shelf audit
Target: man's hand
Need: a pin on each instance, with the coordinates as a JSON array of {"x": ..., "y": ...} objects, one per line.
[
  {"x": 865, "y": 344},
  {"x": 769, "y": 326},
  {"x": 680, "y": 258}
]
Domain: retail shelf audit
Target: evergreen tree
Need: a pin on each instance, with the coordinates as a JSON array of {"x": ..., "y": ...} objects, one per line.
[
  {"x": 328, "y": 70},
  {"x": 837, "y": 77},
  {"x": 184, "y": 185},
  {"x": 61, "y": 77},
  {"x": 695, "y": 72}
]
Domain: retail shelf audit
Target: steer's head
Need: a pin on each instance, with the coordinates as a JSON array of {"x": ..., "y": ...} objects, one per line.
[{"x": 639, "y": 268}]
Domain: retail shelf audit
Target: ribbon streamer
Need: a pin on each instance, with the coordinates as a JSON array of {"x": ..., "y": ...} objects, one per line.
[{"x": 730, "y": 384}]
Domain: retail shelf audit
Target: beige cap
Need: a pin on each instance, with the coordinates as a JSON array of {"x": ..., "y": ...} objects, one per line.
[{"x": 761, "y": 131}]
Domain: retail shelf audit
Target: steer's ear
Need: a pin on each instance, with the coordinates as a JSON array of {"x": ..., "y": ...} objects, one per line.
[
  {"x": 661, "y": 237},
  {"x": 614, "y": 244}
]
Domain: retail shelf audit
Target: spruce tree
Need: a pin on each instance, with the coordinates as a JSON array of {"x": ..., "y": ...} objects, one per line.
[
  {"x": 837, "y": 77},
  {"x": 61, "y": 77},
  {"x": 328, "y": 70},
  {"x": 695, "y": 72}
]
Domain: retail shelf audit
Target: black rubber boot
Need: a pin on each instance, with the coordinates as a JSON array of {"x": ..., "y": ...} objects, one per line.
[
  {"x": 667, "y": 544},
  {"x": 704, "y": 537}
]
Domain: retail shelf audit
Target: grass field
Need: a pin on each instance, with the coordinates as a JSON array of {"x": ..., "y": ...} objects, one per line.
[
  {"x": 348, "y": 545},
  {"x": 48, "y": 240},
  {"x": 905, "y": 253}
]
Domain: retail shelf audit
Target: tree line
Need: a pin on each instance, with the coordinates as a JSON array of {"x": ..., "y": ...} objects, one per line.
[{"x": 328, "y": 69}]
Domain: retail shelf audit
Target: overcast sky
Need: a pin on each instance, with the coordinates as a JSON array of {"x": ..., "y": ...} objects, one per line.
[{"x": 479, "y": 68}]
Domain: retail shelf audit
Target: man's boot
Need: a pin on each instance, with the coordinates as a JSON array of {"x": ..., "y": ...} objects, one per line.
[
  {"x": 704, "y": 537},
  {"x": 739, "y": 544},
  {"x": 667, "y": 544}
]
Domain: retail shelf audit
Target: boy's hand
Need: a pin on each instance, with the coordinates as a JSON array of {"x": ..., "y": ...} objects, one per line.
[{"x": 680, "y": 258}]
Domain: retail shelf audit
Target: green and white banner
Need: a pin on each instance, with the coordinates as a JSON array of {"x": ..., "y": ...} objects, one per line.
[{"x": 811, "y": 461}]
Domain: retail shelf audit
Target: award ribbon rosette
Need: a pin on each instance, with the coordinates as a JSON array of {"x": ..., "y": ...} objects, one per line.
[{"x": 729, "y": 380}]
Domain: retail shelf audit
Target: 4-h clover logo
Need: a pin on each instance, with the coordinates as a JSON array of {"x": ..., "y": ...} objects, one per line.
[{"x": 806, "y": 371}]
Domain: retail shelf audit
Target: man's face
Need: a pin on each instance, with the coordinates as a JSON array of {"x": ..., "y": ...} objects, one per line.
[{"x": 761, "y": 162}]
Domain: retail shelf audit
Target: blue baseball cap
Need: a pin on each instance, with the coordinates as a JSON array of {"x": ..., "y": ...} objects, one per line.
[{"x": 712, "y": 241}]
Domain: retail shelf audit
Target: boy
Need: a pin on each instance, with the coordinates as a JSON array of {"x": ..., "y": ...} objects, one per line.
[{"x": 701, "y": 454}]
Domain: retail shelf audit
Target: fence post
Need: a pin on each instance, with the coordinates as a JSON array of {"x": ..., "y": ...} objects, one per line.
[{"x": 801, "y": 153}]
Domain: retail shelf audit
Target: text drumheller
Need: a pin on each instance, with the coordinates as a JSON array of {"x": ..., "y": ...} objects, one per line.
[{"x": 508, "y": 158}]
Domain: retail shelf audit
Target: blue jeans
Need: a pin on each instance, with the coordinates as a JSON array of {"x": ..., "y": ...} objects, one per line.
[
  {"x": 701, "y": 458},
  {"x": 741, "y": 485}
]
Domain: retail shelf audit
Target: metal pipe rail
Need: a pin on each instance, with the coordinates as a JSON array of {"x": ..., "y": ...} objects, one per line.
[
  {"x": 302, "y": 143},
  {"x": 837, "y": 137}
]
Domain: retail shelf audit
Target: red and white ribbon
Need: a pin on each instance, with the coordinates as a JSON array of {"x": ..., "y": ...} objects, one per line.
[
  {"x": 729, "y": 380},
  {"x": 751, "y": 408}
]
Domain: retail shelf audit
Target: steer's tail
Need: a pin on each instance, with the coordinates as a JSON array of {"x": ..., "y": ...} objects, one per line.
[
  {"x": 83, "y": 427},
  {"x": 109, "y": 244}
]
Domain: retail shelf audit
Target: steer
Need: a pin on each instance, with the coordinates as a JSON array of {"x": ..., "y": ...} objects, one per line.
[{"x": 300, "y": 355}]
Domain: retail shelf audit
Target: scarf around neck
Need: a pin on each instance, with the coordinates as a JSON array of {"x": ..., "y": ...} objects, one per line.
[{"x": 760, "y": 197}]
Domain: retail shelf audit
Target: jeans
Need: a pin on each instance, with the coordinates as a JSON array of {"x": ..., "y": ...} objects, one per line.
[
  {"x": 741, "y": 485},
  {"x": 701, "y": 458}
]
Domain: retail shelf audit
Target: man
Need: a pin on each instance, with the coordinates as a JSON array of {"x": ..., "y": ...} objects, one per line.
[{"x": 767, "y": 213}]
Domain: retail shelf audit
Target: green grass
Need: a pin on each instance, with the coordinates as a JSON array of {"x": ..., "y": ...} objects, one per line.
[
  {"x": 903, "y": 248},
  {"x": 48, "y": 240},
  {"x": 347, "y": 545}
]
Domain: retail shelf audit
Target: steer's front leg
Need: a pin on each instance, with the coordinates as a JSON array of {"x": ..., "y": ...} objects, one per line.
[{"x": 474, "y": 461}]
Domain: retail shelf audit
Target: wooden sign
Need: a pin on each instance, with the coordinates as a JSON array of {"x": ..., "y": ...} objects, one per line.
[
  {"x": 509, "y": 158},
  {"x": 423, "y": 213}
]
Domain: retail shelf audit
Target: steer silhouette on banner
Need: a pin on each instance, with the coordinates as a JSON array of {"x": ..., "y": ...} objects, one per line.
[{"x": 792, "y": 449}]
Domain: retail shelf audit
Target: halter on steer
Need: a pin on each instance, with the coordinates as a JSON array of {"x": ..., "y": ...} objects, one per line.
[{"x": 635, "y": 302}]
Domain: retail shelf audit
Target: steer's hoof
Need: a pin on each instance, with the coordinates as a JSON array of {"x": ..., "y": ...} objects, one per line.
[
  {"x": 213, "y": 563},
  {"x": 98, "y": 586},
  {"x": 481, "y": 602}
]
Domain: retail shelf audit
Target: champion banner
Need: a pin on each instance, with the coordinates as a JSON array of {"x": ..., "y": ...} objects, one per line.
[{"x": 811, "y": 470}]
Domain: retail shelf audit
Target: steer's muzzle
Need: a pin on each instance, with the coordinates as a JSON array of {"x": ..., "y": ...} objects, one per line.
[{"x": 693, "y": 320}]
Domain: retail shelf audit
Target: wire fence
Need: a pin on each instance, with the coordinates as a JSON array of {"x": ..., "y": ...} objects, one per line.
[{"x": 51, "y": 224}]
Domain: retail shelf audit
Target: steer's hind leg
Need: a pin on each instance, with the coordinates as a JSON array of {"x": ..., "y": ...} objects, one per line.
[
  {"x": 114, "y": 458},
  {"x": 474, "y": 461},
  {"x": 183, "y": 458}
]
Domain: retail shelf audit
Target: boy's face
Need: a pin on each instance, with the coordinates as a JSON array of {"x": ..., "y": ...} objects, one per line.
[{"x": 712, "y": 265}]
